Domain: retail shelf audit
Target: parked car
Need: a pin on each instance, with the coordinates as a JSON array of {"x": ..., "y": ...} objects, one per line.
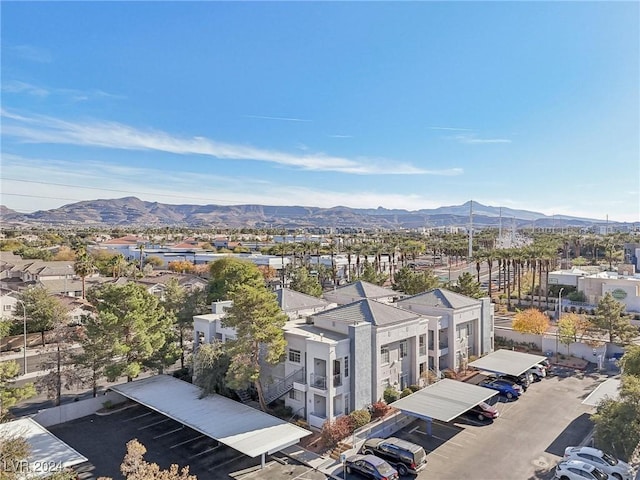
[
  {"x": 605, "y": 462},
  {"x": 371, "y": 466},
  {"x": 577, "y": 470},
  {"x": 483, "y": 411},
  {"x": 538, "y": 371},
  {"x": 523, "y": 380},
  {"x": 505, "y": 387},
  {"x": 404, "y": 456}
]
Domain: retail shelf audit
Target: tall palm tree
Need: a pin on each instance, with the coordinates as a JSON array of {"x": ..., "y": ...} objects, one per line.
[{"x": 83, "y": 266}]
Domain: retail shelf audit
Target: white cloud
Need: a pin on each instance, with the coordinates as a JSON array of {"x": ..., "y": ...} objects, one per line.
[
  {"x": 473, "y": 139},
  {"x": 44, "y": 129},
  {"x": 30, "y": 52},
  {"x": 65, "y": 183},
  {"x": 284, "y": 119},
  {"x": 340, "y": 136},
  {"x": 450, "y": 128},
  {"x": 19, "y": 87}
]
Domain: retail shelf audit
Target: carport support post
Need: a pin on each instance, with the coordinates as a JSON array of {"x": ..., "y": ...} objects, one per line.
[
  {"x": 428, "y": 423},
  {"x": 262, "y": 460}
]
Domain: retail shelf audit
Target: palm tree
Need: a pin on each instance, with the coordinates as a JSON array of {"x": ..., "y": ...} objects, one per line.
[{"x": 83, "y": 266}]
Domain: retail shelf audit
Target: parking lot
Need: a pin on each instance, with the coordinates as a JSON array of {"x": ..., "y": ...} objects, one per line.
[
  {"x": 103, "y": 439},
  {"x": 525, "y": 442}
]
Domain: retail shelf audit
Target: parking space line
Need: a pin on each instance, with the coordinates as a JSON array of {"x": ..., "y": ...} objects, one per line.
[
  {"x": 415, "y": 429},
  {"x": 168, "y": 433},
  {"x": 187, "y": 441},
  {"x": 218, "y": 465},
  {"x": 433, "y": 452},
  {"x": 205, "y": 451},
  {"x": 156, "y": 423},
  {"x": 447, "y": 441},
  {"x": 138, "y": 416}
]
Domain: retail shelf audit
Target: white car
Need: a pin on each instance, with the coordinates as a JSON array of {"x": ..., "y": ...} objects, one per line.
[
  {"x": 578, "y": 470},
  {"x": 538, "y": 371},
  {"x": 605, "y": 462}
]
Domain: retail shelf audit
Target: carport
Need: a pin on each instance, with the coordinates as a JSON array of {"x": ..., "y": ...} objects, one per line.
[
  {"x": 48, "y": 454},
  {"x": 610, "y": 389},
  {"x": 232, "y": 423},
  {"x": 508, "y": 362},
  {"x": 444, "y": 401}
]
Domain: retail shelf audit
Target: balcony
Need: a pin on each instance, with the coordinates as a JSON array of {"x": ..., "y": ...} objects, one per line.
[
  {"x": 422, "y": 351},
  {"x": 337, "y": 380},
  {"x": 318, "y": 381}
]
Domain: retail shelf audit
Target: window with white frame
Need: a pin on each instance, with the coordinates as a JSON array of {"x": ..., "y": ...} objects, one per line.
[
  {"x": 294, "y": 355},
  {"x": 295, "y": 395},
  {"x": 346, "y": 366},
  {"x": 404, "y": 349},
  {"x": 7, "y": 308},
  {"x": 384, "y": 354}
]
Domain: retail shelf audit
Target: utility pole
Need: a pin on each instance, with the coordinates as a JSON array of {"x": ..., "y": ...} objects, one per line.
[
  {"x": 500, "y": 227},
  {"x": 470, "y": 254}
]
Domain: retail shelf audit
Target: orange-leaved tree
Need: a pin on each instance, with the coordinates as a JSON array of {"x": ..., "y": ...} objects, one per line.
[{"x": 531, "y": 320}]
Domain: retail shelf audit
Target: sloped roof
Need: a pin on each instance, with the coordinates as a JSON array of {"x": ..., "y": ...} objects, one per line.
[
  {"x": 235, "y": 424},
  {"x": 290, "y": 300},
  {"x": 370, "y": 311},
  {"x": 46, "y": 448},
  {"x": 441, "y": 298},
  {"x": 443, "y": 400},
  {"x": 359, "y": 289}
]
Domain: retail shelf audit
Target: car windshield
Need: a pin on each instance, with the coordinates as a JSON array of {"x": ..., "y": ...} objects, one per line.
[
  {"x": 385, "y": 469},
  {"x": 599, "y": 474},
  {"x": 609, "y": 459},
  {"x": 484, "y": 406}
]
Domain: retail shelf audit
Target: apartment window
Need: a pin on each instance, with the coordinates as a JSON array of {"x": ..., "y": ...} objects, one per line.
[
  {"x": 7, "y": 308},
  {"x": 404, "y": 349},
  {"x": 346, "y": 366},
  {"x": 431, "y": 339},
  {"x": 423, "y": 368},
  {"x": 422, "y": 344},
  {"x": 294, "y": 356},
  {"x": 384, "y": 354},
  {"x": 295, "y": 395},
  {"x": 346, "y": 404}
]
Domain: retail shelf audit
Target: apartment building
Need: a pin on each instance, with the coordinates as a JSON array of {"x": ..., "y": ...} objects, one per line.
[
  {"x": 342, "y": 358},
  {"x": 459, "y": 326}
]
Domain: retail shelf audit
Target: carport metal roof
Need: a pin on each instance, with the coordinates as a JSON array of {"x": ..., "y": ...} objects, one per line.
[
  {"x": 239, "y": 426},
  {"x": 46, "y": 448},
  {"x": 444, "y": 400},
  {"x": 607, "y": 389},
  {"x": 508, "y": 362}
]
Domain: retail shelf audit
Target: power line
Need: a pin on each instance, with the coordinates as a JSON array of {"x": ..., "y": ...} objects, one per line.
[{"x": 168, "y": 195}]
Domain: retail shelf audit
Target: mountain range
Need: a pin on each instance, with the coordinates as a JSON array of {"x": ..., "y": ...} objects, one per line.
[{"x": 131, "y": 211}]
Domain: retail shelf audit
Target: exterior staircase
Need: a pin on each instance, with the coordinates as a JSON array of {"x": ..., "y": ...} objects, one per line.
[
  {"x": 284, "y": 386},
  {"x": 244, "y": 396},
  {"x": 338, "y": 450}
]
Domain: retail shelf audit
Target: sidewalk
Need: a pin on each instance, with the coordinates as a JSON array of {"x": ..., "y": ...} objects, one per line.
[{"x": 326, "y": 465}]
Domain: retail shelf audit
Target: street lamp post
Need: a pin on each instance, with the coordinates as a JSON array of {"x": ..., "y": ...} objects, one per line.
[
  {"x": 24, "y": 327},
  {"x": 558, "y": 325}
]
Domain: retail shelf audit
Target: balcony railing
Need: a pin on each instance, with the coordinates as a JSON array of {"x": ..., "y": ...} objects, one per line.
[
  {"x": 337, "y": 380},
  {"x": 443, "y": 345},
  {"x": 318, "y": 381}
]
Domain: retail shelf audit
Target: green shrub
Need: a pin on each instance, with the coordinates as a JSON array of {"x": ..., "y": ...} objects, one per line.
[
  {"x": 414, "y": 387},
  {"x": 390, "y": 395},
  {"x": 406, "y": 392},
  {"x": 359, "y": 418},
  {"x": 107, "y": 405}
]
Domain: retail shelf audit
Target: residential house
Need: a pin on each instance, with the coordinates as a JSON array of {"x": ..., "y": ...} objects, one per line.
[
  {"x": 299, "y": 305},
  {"x": 157, "y": 284}
]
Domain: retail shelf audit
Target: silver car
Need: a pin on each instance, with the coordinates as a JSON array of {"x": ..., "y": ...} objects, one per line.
[{"x": 605, "y": 462}]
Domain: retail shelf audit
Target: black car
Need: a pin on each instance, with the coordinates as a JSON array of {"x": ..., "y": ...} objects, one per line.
[
  {"x": 522, "y": 380},
  {"x": 405, "y": 456},
  {"x": 371, "y": 466}
]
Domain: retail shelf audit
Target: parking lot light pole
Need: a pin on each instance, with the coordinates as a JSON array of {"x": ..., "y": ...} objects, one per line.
[
  {"x": 24, "y": 327},
  {"x": 558, "y": 325}
]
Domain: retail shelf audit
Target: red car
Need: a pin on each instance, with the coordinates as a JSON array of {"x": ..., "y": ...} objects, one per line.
[{"x": 484, "y": 411}]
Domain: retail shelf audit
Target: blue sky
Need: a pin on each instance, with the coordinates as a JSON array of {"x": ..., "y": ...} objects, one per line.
[{"x": 396, "y": 104}]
